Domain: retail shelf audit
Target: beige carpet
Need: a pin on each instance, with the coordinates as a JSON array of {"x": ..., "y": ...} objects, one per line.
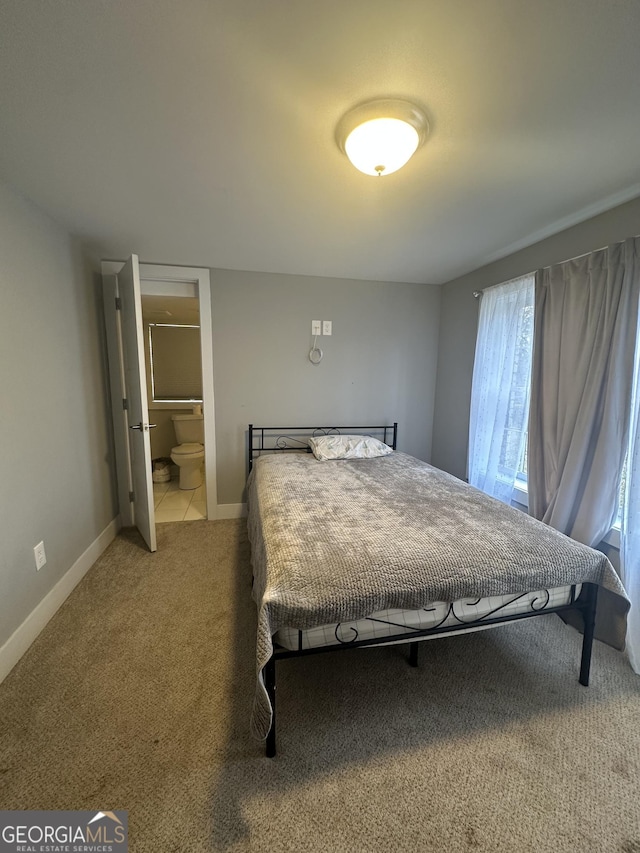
[{"x": 137, "y": 696}]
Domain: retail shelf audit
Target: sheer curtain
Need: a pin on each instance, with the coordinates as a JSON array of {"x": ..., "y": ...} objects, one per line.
[
  {"x": 501, "y": 387},
  {"x": 586, "y": 314},
  {"x": 630, "y": 533}
]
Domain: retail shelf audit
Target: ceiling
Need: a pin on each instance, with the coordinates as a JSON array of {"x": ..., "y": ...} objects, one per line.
[{"x": 201, "y": 132}]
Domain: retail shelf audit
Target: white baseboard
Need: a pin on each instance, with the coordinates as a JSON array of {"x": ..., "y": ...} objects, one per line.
[
  {"x": 23, "y": 636},
  {"x": 231, "y": 511}
]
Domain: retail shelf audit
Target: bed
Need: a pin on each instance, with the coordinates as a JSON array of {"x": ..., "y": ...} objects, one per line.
[{"x": 358, "y": 552}]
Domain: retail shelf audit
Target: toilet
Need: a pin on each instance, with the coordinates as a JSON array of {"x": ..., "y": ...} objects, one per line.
[{"x": 188, "y": 455}]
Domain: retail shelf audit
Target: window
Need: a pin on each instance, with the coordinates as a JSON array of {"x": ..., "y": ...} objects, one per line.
[
  {"x": 501, "y": 387},
  {"x": 175, "y": 362},
  {"x": 623, "y": 487}
]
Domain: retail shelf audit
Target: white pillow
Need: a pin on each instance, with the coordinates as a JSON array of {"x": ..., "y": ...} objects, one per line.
[{"x": 326, "y": 447}]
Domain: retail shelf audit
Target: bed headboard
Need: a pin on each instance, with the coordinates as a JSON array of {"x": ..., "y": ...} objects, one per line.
[{"x": 267, "y": 439}]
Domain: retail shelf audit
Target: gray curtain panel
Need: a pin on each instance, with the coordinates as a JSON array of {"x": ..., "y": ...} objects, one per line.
[{"x": 584, "y": 336}]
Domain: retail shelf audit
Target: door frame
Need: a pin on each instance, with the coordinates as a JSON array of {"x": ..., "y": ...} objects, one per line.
[{"x": 157, "y": 279}]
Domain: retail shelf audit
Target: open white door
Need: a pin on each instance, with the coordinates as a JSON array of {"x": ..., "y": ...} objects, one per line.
[{"x": 136, "y": 393}]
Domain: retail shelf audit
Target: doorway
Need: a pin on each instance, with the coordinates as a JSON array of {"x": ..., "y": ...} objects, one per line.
[
  {"x": 179, "y": 286},
  {"x": 173, "y": 366}
]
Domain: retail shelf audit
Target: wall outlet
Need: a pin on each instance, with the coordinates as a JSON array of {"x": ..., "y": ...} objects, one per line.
[
  {"x": 326, "y": 327},
  {"x": 316, "y": 327},
  {"x": 41, "y": 557}
]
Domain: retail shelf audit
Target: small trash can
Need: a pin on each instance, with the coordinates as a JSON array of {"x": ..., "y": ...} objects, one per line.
[{"x": 161, "y": 470}]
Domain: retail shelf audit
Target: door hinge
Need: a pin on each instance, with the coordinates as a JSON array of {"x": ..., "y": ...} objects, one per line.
[
  {"x": 125, "y": 404},
  {"x": 118, "y": 303},
  {"x": 131, "y": 497}
]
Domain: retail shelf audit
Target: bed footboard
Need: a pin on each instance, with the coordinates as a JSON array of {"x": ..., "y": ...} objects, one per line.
[{"x": 585, "y": 603}]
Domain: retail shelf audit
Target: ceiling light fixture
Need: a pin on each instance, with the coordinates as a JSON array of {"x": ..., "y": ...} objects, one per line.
[{"x": 379, "y": 137}]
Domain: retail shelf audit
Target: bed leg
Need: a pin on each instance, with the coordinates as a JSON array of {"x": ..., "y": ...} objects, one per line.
[
  {"x": 589, "y": 616},
  {"x": 413, "y": 654},
  {"x": 270, "y": 684}
]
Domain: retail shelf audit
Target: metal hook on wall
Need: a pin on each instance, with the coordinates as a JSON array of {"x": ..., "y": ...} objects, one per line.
[{"x": 315, "y": 353}]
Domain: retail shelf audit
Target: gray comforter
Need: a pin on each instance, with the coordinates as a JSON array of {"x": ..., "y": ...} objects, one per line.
[{"x": 337, "y": 541}]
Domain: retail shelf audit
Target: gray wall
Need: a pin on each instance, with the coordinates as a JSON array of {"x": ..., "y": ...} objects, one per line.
[
  {"x": 379, "y": 365},
  {"x": 459, "y": 317},
  {"x": 57, "y": 475}
]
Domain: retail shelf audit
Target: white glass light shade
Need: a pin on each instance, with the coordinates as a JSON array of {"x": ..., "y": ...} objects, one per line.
[
  {"x": 381, "y": 146},
  {"x": 379, "y": 137}
]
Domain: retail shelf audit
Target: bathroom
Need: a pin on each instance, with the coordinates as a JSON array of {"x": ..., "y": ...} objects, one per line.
[{"x": 171, "y": 328}]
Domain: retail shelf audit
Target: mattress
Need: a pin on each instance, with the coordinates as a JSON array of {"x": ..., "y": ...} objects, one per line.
[{"x": 466, "y": 614}]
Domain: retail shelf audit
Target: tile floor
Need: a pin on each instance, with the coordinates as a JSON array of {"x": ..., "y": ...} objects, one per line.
[{"x": 175, "y": 504}]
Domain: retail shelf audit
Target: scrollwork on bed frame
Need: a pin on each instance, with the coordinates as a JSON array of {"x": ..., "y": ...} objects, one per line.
[
  {"x": 585, "y": 603},
  {"x": 296, "y": 439},
  {"x": 538, "y": 604}
]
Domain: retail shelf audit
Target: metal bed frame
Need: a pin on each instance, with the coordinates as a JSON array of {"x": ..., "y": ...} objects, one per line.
[{"x": 295, "y": 439}]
